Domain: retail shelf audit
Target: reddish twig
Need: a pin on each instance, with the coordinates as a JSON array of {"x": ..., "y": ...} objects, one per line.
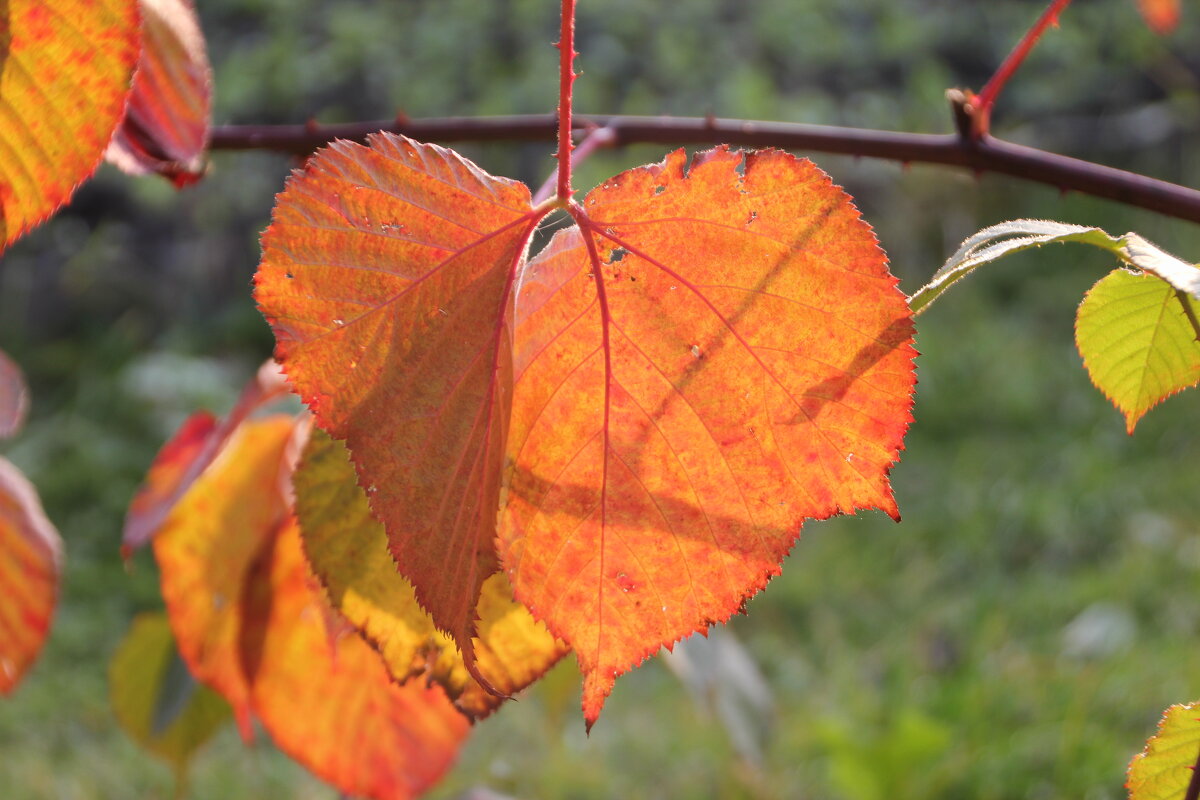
[
  {"x": 981, "y": 105},
  {"x": 596, "y": 139},
  {"x": 988, "y": 155},
  {"x": 566, "y": 80}
]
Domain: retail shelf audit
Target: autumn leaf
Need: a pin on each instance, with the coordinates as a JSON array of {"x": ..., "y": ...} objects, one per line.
[
  {"x": 188, "y": 453},
  {"x": 166, "y": 124},
  {"x": 718, "y": 355},
  {"x": 387, "y": 276},
  {"x": 14, "y": 397},
  {"x": 1165, "y": 768},
  {"x": 254, "y": 625},
  {"x": 30, "y": 565},
  {"x": 67, "y": 71},
  {"x": 1161, "y": 15},
  {"x": 348, "y": 552},
  {"x": 154, "y": 697},
  {"x": 325, "y": 696},
  {"x": 208, "y": 545},
  {"x": 1140, "y": 341}
]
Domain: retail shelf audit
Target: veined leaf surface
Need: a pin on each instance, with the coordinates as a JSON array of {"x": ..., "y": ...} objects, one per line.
[
  {"x": 30, "y": 564},
  {"x": 67, "y": 66},
  {"x": 1164, "y": 769},
  {"x": 718, "y": 355},
  {"x": 1138, "y": 342},
  {"x": 348, "y": 551},
  {"x": 208, "y": 546},
  {"x": 325, "y": 696},
  {"x": 387, "y": 276},
  {"x": 166, "y": 124}
]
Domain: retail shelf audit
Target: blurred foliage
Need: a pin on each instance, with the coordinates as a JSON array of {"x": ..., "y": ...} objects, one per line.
[{"x": 1016, "y": 636}]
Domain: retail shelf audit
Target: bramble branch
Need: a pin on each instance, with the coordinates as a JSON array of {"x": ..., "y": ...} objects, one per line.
[{"x": 988, "y": 154}]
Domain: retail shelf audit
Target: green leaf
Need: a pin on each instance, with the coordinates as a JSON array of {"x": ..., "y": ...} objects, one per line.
[
  {"x": 155, "y": 698},
  {"x": 1139, "y": 341},
  {"x": 1163, "y": 770},
  {"x": 1006, "y": 238}
]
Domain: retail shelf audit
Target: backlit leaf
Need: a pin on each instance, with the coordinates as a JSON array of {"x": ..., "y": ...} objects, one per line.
[
  {"x": 155, "y": 699},
  {"x": 67, "y": 71},
  {"x": 1006, "y": 238},
  {"x": 1137, "y": 341},
  {"x": 189, "y": 452},
  {"x": 1161, "y": 15},
  {"x": 325, "y": 696},
  {"x": 14, "y": 397},
  {"x": 748, "y": 365},
  {"x": 208, "y": 546},
  {"x": 348, "y": 551},
  {"x": 30, "y": 563},
  {"x": 387, "y": 274},
  {"x": 1163, "y": 770},
  {"x": 166, "y": 124}
]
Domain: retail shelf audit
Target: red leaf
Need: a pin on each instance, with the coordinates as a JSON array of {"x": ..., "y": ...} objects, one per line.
[
  {"x": 14, "y": 397},
  {"x": 252, "y": 623},
  {"x": 166, "y": 124},
  {"x": 67, "y": 68},
  {"x": 325, "y": 696},
  {"x": 30, "y": 563},
  {"x": 210, "y": 543},
  {"x": 1161, "y": 15},
  {"x": 387, "y": 273},
  {"x": 717, "y": 357},
  {"x": 182, "y": 460}
]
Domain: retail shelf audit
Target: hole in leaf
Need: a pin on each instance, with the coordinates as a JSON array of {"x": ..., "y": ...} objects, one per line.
[{"x": 616, "y": 255}]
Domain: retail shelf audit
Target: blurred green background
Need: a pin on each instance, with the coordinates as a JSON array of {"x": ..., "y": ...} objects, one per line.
[{"x": 1017, "y": 635}]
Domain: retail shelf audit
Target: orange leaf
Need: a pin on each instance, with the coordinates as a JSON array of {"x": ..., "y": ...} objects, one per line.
[
  {"x": 348, "y": 552},
  {"x": 14, "y": 397},
  {"x": 387, "y": 275},
  {"x": 719, "y": 355},
  {"x": 166, "y": 124},
  {"x": 67, "y": 70},
  {"x": 326, "y": 698},
  {"x": 1161, "y": 15},
  {"x": 30, "y": 563},
  {"x": 189, "y": 452},
  {"x": 209, "y": 544}
]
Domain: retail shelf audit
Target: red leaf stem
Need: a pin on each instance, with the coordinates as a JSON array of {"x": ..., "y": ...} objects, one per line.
[
  {"x": 987, "y": 96},
  {"x": 566, "y": 47},
  {"x": 595, "y": 139}
]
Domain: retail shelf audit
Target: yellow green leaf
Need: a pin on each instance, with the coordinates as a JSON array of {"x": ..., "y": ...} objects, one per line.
[
  {"x": 1163, "y": 770},
  {"x": 1139, "y": 341},
  {"x": 349, "y": 553},
  {"x": 155, "y": 698}
]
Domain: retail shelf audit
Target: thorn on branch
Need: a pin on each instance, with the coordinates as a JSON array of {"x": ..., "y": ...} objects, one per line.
[{"x": 970, "y": 120}]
